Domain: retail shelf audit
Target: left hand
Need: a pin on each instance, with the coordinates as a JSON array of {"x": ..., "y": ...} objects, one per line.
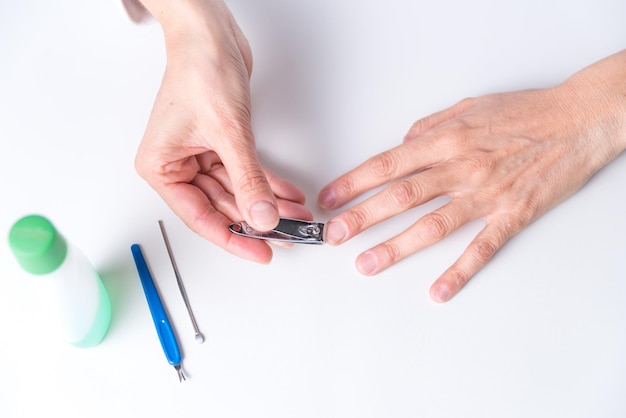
[
  {"x": 198, "y": 151},
  {"x": 506, "y": 158}
]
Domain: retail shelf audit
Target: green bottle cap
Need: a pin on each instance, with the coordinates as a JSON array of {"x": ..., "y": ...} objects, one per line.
[{"x": 37, "y": 245}]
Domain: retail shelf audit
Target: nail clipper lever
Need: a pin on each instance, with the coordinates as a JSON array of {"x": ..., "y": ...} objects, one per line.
[{"x": 288, "y": 230}]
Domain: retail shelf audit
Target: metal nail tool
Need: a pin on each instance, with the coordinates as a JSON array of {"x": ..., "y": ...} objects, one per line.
[
  {"x": 288, "y": 230},
  {"x": 181, "y": 286},
  {"x": 159, "y": 316}
]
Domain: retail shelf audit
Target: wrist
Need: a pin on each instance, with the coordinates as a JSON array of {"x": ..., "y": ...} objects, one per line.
[
  {"x": 602, "y": 87},
  {"x": 183, "y": 20},
  {"x": 596, "y": 98}
]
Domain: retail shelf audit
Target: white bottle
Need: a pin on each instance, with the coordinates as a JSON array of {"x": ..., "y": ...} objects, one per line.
[{"x": 70, "y": 280}]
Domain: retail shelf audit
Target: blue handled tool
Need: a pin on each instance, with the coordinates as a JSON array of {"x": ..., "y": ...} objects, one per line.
[{"x": 159, "y": 316}]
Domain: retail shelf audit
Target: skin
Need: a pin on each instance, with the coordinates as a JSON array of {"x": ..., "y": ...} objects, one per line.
[
  {"x": 504, "y": 158},
  {"x": 198, "y": 150}
]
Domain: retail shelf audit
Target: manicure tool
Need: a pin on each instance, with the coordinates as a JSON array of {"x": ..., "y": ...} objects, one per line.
[
  {"x": 159, "y": 316},
  {"x": 181, "y": 286},
  {"x": 288, "y": 230}
]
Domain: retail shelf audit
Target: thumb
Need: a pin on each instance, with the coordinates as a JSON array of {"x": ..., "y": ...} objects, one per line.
[{"x": 253, "y": 194}]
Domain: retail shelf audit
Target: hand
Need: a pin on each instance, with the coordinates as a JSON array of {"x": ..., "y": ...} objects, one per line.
[
  {"x": 506, "y": 158},
  {"x": 198, "y": 150}
]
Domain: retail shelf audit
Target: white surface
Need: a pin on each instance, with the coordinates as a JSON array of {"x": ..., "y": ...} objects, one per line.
[{"x": 540, "y": 332}]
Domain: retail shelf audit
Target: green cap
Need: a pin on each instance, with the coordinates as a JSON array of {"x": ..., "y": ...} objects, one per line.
[{"x": 37, "y": 245}]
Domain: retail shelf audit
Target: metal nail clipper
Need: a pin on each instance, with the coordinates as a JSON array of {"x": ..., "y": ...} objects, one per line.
[{"x": 288, "y": 230}]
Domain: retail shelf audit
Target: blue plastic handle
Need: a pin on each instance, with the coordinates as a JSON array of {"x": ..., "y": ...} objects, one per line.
[{"x": 159, "y": 316}]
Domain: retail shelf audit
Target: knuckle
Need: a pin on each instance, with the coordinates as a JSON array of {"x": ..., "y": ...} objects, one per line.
[
  {"x": 405, "y": 193},
  {"x": 484, "y": 249},
  {"x": 356, "y": 218},
  {"x": 384, "y": 165},
  {"x": 144, "y": 166},
  {"x": 436, "y": 227},
  {"x": 466, "y": 102},
  {"x": 527, "y": 210},
  {"x": 346, "y": 186},
  {"x": 517, "y": 222},
  {"x": 459, "y": 278},
  {"x": 463, "y": 132},
  {"x": 149, "y": 169},
  {"x": 454, "y": 138},
  {"x": 418, "y": 127},
  {"x": 252, "y": 180},
  {"x": 390, "y": 251}
]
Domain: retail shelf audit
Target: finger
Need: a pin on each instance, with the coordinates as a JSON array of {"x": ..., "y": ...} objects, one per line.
[
  {"x": 284, "y": 189},
  {"x": 428, "y": 230},
  {"x": 223, "y": 201},
  {"x": 397, "y": 162},
  {"x": 251, "y": 188},
  {"x": 475, "y": 257},
  {"x": 194, "y": 208},
  {"x": 425, "y": 124},
  {"x": 289, "y": 209},
  {"x": 398, "y": 197}
]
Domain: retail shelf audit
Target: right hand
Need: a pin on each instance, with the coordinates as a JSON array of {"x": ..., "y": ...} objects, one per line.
[
  {"x": 505, "y": 158},
  {"x": 198, "y": 150}
]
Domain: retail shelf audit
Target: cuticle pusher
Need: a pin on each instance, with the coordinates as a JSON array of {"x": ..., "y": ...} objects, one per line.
[{"x": 159, "y": 316}]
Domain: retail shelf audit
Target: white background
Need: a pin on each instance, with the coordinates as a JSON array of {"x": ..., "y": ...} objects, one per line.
[{"x": 540, "y": 332}]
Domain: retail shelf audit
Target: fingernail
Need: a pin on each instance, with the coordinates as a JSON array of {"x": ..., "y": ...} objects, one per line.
[
  {"x": 336, "y": 231},
  {"x": 367, "y": 264},
  {"x": 264, "y": 215},
  {"x": 327, "y": 198},
  {"x": 442, "y": 294}
]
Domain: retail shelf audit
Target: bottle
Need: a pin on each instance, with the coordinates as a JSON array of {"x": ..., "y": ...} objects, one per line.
[{"x": 70, "y": 280}]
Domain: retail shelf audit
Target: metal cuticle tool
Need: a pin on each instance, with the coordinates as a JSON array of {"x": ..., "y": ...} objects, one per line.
[
  {"x": 199, "y": 337},
  {"x": 288, "y": 230}
]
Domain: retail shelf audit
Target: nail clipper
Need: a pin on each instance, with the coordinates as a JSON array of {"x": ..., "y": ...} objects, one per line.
[{"x": 288, "y": 230}]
